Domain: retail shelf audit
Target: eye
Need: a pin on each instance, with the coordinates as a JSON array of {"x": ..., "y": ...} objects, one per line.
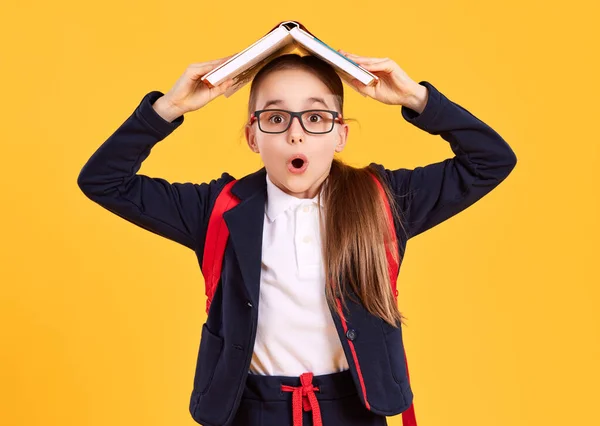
[
  {"x": 276, "y": 118},
  {"x": 315, "y": 118}
]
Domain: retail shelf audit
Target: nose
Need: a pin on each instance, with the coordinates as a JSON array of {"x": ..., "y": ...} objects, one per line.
[{"x": 296, "y": 132}]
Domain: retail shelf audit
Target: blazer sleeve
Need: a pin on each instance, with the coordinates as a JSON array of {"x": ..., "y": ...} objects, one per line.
[
  {"x": 177, "y": 211},
  {"x": 428, "y": 195}
]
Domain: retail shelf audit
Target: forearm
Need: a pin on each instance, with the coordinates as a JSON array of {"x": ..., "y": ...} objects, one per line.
[
  {"x": 430, "y": 194},
  {"x": 118, "y": 159},
  {"x": 480, "y": 148}
]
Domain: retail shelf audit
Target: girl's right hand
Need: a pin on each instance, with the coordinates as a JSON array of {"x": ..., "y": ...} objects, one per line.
[{"x": 189, "y": 93}]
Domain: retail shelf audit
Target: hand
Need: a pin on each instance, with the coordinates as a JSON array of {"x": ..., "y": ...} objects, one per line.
[
  {"x": 189, "y": 93},
  {"x": 394, "y": 87}
]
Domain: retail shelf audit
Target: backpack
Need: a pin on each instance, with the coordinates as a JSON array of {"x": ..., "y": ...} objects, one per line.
[{"x": 214, "y": 249}]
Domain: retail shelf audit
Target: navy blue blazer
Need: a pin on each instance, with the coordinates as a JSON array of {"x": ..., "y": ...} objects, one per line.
[{"x": 180, "y": 211}]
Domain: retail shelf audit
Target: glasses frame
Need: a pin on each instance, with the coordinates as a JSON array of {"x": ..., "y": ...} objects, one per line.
[{"x": 336, "y": 117}]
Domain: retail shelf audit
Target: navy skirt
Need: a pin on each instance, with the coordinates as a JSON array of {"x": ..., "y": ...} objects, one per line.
[{"x": 327, "y": 400}]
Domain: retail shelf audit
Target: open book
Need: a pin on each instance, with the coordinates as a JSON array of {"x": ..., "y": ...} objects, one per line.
[{"x": 285, "y": 37}]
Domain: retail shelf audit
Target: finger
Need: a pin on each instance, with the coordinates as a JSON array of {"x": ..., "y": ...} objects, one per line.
[
  {"x": 362, "y": 59},
  {"x": 383, "y": 66},
  {"x": 211, "y": 62},
  {"x": 361, "y": 88},
  {"x": 367, "y": 61},
  {"x": 196, "y": 71},
  {"x": 226, "y": 58}
]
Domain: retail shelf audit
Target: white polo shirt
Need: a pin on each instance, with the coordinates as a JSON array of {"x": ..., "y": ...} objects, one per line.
[{"x": 296, "y": 333}]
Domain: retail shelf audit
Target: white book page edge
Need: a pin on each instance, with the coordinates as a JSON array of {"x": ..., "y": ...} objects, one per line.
[
  {"x": 248, "y": 57},
  {"x": 334, "y": 58}
]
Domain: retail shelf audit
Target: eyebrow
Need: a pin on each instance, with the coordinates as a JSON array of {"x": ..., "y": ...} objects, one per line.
[{"x": 280, "y": 101}]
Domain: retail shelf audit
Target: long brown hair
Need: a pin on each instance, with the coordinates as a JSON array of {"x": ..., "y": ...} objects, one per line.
[{"x": 355, "y": 224}]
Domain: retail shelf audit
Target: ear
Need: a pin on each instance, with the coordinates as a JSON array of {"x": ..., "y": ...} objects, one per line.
[
  {"x": 251, "y": 138},
  {"x": 343, "y": 137}
]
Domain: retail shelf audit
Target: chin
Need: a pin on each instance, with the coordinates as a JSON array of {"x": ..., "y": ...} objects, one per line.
[
  {"x": 294, "y": 186},
  {"x": 298, "y": 184}
]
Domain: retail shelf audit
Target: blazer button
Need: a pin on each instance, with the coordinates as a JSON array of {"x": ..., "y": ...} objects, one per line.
[{"x": 351, "y": 334}]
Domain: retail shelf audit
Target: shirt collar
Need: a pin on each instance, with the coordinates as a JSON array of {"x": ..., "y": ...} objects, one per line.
[{"x": 279, "y": 201}]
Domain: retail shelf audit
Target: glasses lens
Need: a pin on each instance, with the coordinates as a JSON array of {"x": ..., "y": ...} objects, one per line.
[
  {"x": 314, "y": 121},
  {"x": 274, "y": 121},
  {"x": 317, "y": 121}
]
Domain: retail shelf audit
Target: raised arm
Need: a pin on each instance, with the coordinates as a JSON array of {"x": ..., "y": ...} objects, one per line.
[
  {"x": 173, "y": 210},
  {"x": 482, "y": 159},
  {"x": 176, "y": 211}
]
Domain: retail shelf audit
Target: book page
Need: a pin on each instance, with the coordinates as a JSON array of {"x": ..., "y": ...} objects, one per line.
[
  {"x": 344, "y": 66},
  {"x": 303, "y": 51},
  {"x": 246, "y": 77}
]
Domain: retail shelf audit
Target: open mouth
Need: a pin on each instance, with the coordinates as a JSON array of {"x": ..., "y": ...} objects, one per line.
[{"x": 297, "y": 163}]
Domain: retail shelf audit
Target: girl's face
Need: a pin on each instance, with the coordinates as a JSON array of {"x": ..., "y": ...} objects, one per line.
[{"x": 296, "y": 90}]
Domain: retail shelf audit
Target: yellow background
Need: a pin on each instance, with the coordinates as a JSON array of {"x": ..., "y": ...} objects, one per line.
[{"x": 100, "y": 320}]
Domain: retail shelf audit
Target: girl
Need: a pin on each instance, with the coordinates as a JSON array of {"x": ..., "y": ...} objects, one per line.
[{"x": 304, "y": 325}]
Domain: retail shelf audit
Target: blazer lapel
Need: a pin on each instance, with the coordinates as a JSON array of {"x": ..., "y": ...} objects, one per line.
[{"x": 245, "y": 223}]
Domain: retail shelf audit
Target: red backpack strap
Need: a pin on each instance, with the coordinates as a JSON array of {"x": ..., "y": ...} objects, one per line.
[
  {"x": 408, "y": 416},
  {"x": 216, "y": 239},
  {"x": 393, "y": 266}
]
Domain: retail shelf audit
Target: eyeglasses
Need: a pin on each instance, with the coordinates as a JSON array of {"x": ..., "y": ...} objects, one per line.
[{"x": 315, "y": 121}]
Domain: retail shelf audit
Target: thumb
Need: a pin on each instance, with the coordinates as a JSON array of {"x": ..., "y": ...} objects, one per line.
[{"x": 359, "y": 87}]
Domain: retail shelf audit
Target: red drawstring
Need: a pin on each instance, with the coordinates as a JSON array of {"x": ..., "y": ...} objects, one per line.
[{"x": 303, "y": 397}]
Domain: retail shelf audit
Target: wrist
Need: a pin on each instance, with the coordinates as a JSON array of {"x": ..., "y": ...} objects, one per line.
[
  {"x": 166, "y": 109},
  {"x": 417, "y": 100}
]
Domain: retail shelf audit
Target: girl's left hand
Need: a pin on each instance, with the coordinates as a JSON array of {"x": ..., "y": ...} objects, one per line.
[{"x": 394, "y": 87}]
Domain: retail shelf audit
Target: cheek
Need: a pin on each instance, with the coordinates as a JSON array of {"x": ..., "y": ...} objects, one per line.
[
  {"x": 328, "y": 147},
  {"x": 271, "y": 150},
  {"x": 323, "y": 156}
]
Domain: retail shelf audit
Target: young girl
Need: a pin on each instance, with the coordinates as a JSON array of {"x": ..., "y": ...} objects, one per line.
[{"x": 282, "y": 343}]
